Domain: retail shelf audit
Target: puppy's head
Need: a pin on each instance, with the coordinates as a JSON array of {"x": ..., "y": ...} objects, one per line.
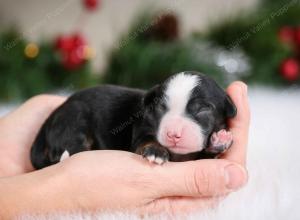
[{"x": 183, "y": 111}]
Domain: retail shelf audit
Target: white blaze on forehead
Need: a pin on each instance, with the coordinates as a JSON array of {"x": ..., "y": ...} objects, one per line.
[
  {"x": 174, "y": 121},
  {"x": 178, "y": 91}
]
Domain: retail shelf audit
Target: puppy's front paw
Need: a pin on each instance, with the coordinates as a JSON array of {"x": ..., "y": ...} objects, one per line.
[
  {"x": 155, "y": 154},
  {"x": 219, "y": 142}
]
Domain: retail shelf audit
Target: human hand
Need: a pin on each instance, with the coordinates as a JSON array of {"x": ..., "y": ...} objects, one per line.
[
  {"x": 113, "y": 180},
  {"x": 18, "y": 130}
]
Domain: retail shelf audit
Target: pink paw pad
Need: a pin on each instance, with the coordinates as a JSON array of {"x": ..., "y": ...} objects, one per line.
[{"x": 220, "y": 141}]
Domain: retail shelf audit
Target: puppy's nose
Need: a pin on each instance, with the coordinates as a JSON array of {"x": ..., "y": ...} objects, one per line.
[{"x": 173, "y": 136}]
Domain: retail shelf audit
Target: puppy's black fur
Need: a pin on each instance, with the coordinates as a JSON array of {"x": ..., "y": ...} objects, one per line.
[{"x": 119, "y": 118}]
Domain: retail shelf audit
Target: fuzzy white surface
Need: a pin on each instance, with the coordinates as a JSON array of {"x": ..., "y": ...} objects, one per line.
[{"x": 273, "y": 190}]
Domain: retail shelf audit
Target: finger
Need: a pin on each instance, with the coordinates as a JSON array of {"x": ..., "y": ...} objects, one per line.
[
  {"x": 24, "y": 123},
  {"x": 32, "y": 114},
  {"x": 239, "y": 125},
  {"x": 39, "y": 106},
  {"x": 200, "y": 178}
]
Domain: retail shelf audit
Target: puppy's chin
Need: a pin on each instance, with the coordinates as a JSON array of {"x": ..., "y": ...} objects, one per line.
[{"x": 183, "y": 149}]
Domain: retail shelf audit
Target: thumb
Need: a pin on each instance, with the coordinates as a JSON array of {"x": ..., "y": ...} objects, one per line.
[{"x": 200, "y": 178}]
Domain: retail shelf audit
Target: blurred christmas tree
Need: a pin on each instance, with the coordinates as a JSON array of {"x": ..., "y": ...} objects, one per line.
[
  {"x": 27, "y": 69},
  {"x": 270, "y": 38},
  {"x": 261, "y": 47},
  {"x": 152, "y": 50}
]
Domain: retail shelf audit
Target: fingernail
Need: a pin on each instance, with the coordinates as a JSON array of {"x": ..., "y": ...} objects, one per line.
[
  {"x": 235, "y": 176},
  {"x": 245, "y": 88},
  {"x": 240, "y": 92}
]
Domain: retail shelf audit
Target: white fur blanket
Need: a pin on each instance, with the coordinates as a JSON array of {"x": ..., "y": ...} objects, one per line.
[{"x": 273, "y": 191}]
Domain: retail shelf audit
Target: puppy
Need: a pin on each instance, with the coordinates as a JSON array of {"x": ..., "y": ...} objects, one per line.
[{"x": 183, "y": 118}]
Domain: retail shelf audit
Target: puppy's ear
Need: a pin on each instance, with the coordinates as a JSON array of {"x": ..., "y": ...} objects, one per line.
[
  {"x": 230, "y": 108},
  {"x": 151, "y": 95}
]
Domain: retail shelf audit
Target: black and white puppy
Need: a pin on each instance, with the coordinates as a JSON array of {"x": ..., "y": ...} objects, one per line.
[{"x": 181, "y": 119}]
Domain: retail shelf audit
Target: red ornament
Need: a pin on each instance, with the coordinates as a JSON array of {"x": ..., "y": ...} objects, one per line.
[
  {"x": 91, "y": 4},
  {"x": 64, "y": 43},
  {"x": 297, "y": 36},
  {"x": 71, "y": 49},
  {"x": 78, "y": 40},
  {"x": 72, "y": 60},
  {"x": 286, "y": 34},
  {"x": 289, "y": 69}
]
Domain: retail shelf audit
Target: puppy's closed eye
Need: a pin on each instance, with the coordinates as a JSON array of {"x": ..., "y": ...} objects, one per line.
[{"x": 198, "y": 108}]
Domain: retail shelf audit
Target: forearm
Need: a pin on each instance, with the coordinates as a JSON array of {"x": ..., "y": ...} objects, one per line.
[{"x": 36, "y": 192}]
